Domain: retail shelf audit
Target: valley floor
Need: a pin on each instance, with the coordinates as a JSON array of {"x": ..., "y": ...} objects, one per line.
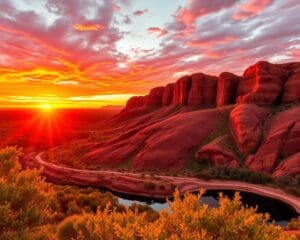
[{"x": 154, "y": 186}]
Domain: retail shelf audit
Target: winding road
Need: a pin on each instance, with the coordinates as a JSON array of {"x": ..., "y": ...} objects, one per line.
[{"x": 160, "y": 186}]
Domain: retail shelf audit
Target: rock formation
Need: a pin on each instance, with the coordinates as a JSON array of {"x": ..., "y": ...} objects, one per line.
[
  {"x": 246, "y": 123},
  {"x": 203, "y": 90},
  {"x": 217, "y": 153},
  {"x": 279, "y": 132},
  {"x": 258, "y": 113},
  {"x": 227, "y": 87}
]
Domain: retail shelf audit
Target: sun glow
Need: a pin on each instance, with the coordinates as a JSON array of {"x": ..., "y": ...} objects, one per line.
[{"x": 46, "y": 107}]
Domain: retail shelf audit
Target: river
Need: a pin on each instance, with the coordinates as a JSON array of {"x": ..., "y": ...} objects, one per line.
[{"x": 280, "y": 212}]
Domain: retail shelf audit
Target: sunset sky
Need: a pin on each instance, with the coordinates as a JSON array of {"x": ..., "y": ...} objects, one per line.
[{"x": 91, "y": 53}]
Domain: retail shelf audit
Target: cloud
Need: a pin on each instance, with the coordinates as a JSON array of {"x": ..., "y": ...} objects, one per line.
[
  {"x": 251, "y": 8},
  {"x": 158, "y": 31},
  {"x": 74, "y": 48},
  {"x": 140, "y": 12},
  {"x": 116, "y": 8},
  {"x": 195, "y": 9}
]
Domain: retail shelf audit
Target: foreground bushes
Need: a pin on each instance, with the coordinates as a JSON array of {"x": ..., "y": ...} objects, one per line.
[
  {"x": 33, "y": 209},
  {"x": 26, "y": 202},
  {"x": 186, "y": 219}
]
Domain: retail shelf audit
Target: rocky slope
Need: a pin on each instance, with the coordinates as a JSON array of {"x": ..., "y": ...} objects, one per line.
[{"x": 231, "y": 121}]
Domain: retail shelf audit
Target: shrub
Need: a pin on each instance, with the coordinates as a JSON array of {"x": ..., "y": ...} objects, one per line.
[
  {"x": 284, "y": 181},
  {"x": 294, "y": 224},
  {"x": 26, "y": 201},
  {"x": 185, "y": 219}
]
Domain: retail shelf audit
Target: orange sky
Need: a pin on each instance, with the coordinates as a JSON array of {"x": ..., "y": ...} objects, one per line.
[{"x": 96, "y": 53}]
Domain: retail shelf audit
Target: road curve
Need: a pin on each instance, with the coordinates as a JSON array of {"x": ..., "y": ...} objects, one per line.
[{"x": 162, "y": 186}]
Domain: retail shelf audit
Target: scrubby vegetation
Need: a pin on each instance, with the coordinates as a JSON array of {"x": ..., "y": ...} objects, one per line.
[
  {"x": 294, "y": 224},
  {"x": 30, "y": 208},
  {"x": 241, "y": 174}
]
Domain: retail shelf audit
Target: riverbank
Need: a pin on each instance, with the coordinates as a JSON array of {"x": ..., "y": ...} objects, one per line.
[{"x": 158, "y": 186}]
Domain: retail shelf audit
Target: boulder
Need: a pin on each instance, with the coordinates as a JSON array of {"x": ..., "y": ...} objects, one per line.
[
  {"x": 226, "y": 89},
  {"x": 280, "y": 131},
  {"x": 288, "y": 167},
  {"x": 168, "y": 94},
  {"x": 262, "y": 84},
  {"x": 203, "y": 90},
  {"x": 246, "y": 124},
  {"x": 181, "y": 91},
  {"x": 217, "y": 153}
]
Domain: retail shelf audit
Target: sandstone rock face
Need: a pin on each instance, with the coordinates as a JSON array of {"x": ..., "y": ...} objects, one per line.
[
  {"x": 246, "y": 124},
  {"x": 218, "y": 154},
  {"x": 291, "y": 90},
  {"x": 262, "y": 84},
  {"x": 161, "y": 145},
  {"x": 135, "y": 102},
  {"x": 288, "y": 167},
  {"x": 227, "y": 87},
  {"x": 181, "y": 91},
  {"x": 203, "y": 90},
  {"x": 292, "y": 141},
  {"x": 168, "y": 143},
  {"x": 168, "y": 94},
  {"x": 154, "y": 132},
  {"x": 280, "y": 130},
  {"x": 154, "y": 98}
]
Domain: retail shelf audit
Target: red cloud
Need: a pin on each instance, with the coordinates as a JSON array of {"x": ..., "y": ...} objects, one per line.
[
  {"x": 251, "y": 8},
  {"x": 189, "y": 14},
  {"x": 116, "y": 8},
  {"x": 140, "y": 12},
  {"x": 156, "y": 30}
]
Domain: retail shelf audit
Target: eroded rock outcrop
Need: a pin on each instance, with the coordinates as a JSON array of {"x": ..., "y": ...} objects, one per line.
[
  {"x": 288, "y": 167},
  {"x": 161, "y": 129},
  {"x": 246, "y": 124},
  {"x": 181, "y": 91},
  {"x": 135, "y": 102},
  {"x": 218, "y": 153},
  {"x": 291, "y": 89},
  {"x": 279, "y": 131},
  {"x": 203, "y": 90},
  {"x": 227, "y": 87},
  {"x": 262, "y": 84},
  {"x": 161, "y": 145},
  {"x": 168, "y": 94},
  {"x": 154, "y": 98}
]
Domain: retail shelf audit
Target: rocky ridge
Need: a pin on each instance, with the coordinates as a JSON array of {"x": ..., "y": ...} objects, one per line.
[{"x": 199, "y": 115}]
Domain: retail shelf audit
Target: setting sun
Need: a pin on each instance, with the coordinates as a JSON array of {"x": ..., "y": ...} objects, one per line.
[{"x": 46, "y": 107}]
